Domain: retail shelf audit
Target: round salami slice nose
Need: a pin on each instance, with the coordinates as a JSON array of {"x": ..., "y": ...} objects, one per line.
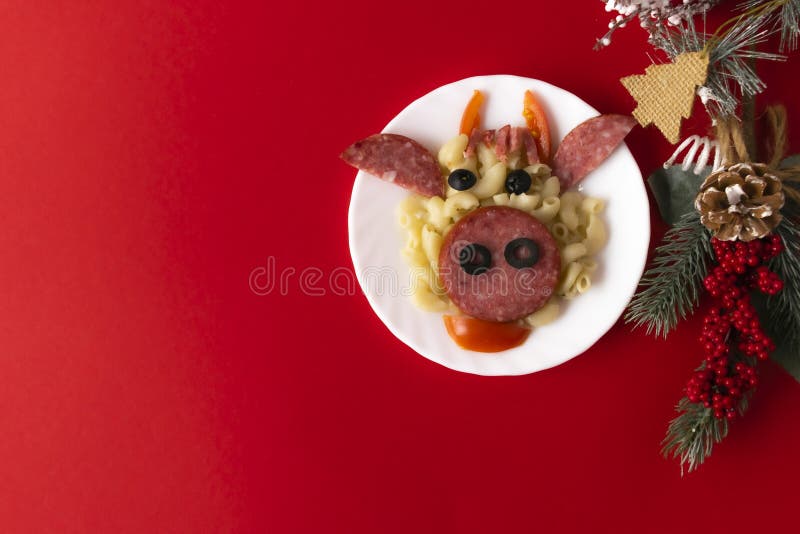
[{"x": 502, "y": 291}]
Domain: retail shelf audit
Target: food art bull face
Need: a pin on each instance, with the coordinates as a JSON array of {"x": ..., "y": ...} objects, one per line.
[
  {"x": 492, "y": 206},
  {"x": 499, "y": 264}
]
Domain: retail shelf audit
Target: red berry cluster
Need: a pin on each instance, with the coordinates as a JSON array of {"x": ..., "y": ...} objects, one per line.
[
  {"x": 765, "y": 281},
  {"x": 721, "y": 383}
]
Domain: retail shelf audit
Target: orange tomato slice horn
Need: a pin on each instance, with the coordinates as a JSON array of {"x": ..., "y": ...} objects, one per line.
[
  {"x": 536, "y": 120},
  {"x": 471, "y": 118}
]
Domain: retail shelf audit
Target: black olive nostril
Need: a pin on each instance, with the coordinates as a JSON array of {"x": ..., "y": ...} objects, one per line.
[
  {"x": 475, "y": 259},
  {"x": 461, "y": 179},
  {"x": 521, "y": 252},
  {"x": 518, "y": 182}
]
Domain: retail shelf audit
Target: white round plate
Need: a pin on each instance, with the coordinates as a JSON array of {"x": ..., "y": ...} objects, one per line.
[{"x": 376, "y": 239}]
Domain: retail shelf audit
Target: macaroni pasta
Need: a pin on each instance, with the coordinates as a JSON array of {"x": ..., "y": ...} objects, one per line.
[{"x": 572, "y": 218}]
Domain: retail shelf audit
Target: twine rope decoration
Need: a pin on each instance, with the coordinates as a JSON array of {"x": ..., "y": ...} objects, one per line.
[
  {"x": 776, "y": 117},
  {"x": 733, "y": 147}
]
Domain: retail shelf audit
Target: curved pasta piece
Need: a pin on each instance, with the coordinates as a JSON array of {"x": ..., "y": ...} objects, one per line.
[
  {"x": 546, "y": 315},
  {"x": 589, "y": 265},
  {"x": 560, "y": 232},
  {"x": 501, "y": 199},
  {"x": 491, "y": 182},
  {"x": 595, "y": 234},
  {"x": 525, "y": 202},
  {"x": 568, "y": 213},
  {"x": 452, "y": 152},
  {"x": 583, "y": 283},
  {"x": 568, "y": 278},
  {"x": 548, "y": 210},
  {"x": 486, "y": 157},
  {"x": 572, "y": 252},
  {"x": 436, "y": 213},
  {"x": 551, "y": 187},
  {"x": 592, "y": 205},
  {"x": 415, "y": 257},
  {"x": 427, "y": 300},
  {"x": 538, "y": 170},
  {"x": 459, "y": 203},
  {"x": 431, "y": 243}
]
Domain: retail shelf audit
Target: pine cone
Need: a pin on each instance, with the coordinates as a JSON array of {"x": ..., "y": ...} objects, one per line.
[{"x": 742, "y": 201}]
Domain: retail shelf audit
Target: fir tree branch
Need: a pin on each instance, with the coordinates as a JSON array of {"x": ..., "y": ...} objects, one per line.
[
  {"x": 652, "y": 13},
  {"x": 783, "y": 309},
  {"x": 670, "y": 289},
  {"x": 784, "y": 15},
  {"x": 730, "y": 74},
  {"x": 732, "y": 47},
  {"x": 789, "y": 23},
  {"x": 691, "y": 436}
]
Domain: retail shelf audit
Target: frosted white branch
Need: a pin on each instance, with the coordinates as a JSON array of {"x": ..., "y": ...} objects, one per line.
[{"x": 696, "y": 143}]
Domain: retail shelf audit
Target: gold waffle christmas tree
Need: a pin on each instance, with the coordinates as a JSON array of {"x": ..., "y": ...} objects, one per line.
[{"x": 665, "y": 93}]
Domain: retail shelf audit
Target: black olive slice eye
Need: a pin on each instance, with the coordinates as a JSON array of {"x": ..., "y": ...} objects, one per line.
[
  {"x": 518, "y": 182},
  {"x": 475, "y": 259},
  {"x": 521, "y": 252},
  {"x": 461, "y": 179}
]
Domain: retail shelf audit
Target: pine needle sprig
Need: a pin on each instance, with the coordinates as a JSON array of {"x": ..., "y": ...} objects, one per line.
[
  {"x": 732, "y": 48},
  {"x": 783, "y": 15},
  {"x": 691, "y": 435},
  {"x": 789, "y": 21},
  {"x": 730, "y": 74},
  {"x": 783, "y": 309},
  {"x": 670, "y": 289},
  {"x": 651, "y": 14}
]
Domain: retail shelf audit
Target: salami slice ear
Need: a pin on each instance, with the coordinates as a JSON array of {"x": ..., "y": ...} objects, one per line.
[
  {"x": 588, "y": 145},
  {"x": 397, "y": 159}
]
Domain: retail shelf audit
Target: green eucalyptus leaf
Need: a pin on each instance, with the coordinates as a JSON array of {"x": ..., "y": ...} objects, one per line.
[
  {"x": 790, "y": 161},
  {"x": 675, "y": 190},
  {"x": 785, "y": 354},
  {"x": 791, "y": 207},
  {"x": 787, "y": 358}
]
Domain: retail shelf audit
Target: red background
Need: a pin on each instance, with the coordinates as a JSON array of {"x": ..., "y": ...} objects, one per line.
[{"x": 153, "y": 154}]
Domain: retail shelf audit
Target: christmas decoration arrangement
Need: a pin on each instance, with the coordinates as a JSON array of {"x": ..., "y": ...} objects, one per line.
[{"x": 734, "y": 240}]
